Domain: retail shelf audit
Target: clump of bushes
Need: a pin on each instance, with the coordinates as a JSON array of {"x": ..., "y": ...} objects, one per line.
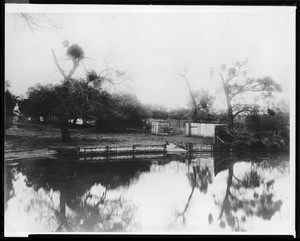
[
  {"x": 268, "y": 131},
  {"x": 122, "y": 112},
  {"x": 271, "y": 129}
]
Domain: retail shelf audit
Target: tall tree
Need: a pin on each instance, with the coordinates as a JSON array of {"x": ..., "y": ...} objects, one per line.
[
  {"x": 235, "y": 83},
  {"x": 75, "y": 99},
  {"x": 79, "y": 96},
  {"x": 194, "y": 112}
]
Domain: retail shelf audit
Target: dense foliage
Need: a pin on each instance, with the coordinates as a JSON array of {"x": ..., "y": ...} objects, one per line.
[
  {"x": 120, "y": 112},
  {"x": 10, "y": 101},
  {"x": 259, "y": 132},
  {"x": 40, "y": 103}
]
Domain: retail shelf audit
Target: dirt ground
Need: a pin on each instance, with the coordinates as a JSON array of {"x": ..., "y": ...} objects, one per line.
[{"x": 39, "y": 136}]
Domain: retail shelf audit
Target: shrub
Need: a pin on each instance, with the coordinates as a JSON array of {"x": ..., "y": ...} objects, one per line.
[{"x": 260, "y": 132}]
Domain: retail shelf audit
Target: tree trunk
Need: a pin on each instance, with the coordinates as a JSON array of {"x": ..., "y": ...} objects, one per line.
[
  {"x": 62, "y": 214},
  {"x": 65, "y": 135},
  {"x": 228, "y": 100},
  {"x": 194, "y": 114},
  {"x": 229, "y": 183},
  {"x": 229, "y": 107},
  {"x": 230, "y": 115}
]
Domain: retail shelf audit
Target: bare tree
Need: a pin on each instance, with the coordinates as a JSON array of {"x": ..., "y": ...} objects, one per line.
[
  {"x": 235, "y": 83},
  {"x": 193, "y": 98}
]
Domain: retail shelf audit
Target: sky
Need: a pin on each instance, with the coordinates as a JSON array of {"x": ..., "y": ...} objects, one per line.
[{"x": 153, "y": 44}]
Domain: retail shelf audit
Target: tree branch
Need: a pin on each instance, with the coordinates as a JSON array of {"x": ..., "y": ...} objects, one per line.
[
  {"x": 72, "y": 71},
  {"x": 235, "y": 75},
  {"x": 222, "y": 78},
  {"x": 190, "y": 90},
  {"x": 189, "y": 199},
  {"x": 57, "y": 65},
  {"x": 240, "y": 111}
]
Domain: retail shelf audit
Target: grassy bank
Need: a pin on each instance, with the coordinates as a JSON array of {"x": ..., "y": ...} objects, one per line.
[{"x": 39, "y": 136}]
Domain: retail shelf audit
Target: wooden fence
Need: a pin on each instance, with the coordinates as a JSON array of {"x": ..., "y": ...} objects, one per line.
[
  {"x": 160, "y": 128},
  {"x": 167, "y": 127},
  {"x": 201, "y": 129}
]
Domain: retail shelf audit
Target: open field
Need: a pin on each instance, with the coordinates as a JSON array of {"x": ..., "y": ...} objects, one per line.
[{"x": 39, "y": 136}]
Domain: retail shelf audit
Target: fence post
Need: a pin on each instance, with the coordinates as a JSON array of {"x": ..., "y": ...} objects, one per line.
[{"x": 189, "y": 128}]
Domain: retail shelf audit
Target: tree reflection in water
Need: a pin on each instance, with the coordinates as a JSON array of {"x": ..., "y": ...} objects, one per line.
[
  {"x": 237, "y": 205},
  {"x": 95, "y": 214},
  {"x": 90, "y": 197},
  {"x": 80, "y": 208},
  {"x": 200, "y": 177},
  {"x": 237, "y": 201}
]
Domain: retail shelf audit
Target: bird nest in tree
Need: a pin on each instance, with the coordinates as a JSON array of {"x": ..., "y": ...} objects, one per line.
[{"x": 75, "y": 52}]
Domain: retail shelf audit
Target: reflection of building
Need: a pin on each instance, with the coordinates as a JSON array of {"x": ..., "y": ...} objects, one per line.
[
  {"x": 202, "y": 172},
  {"x": 205, "y": 162}
]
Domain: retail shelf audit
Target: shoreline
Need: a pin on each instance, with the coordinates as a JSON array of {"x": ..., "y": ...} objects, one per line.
[
  {"x": 34, "y": 140},
  {"x": 34, "y": 136}
]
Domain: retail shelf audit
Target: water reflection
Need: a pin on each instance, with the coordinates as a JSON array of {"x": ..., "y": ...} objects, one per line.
[
  {"x": 198, "y": 194},
  {"x": 250, "y": 193}
]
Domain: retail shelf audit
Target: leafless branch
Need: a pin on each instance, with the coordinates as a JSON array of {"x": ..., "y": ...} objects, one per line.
[
  {"x": 57, "y": 65},
  {"x": 72, "y": 71}
]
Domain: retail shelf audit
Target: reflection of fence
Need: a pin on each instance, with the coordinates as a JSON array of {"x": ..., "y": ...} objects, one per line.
[
  {"x": 124, "y": 157},
  {"x": 122, "y": 149}
]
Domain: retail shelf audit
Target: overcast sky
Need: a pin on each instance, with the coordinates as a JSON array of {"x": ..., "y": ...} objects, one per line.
[{"x": 152, "y": 44}]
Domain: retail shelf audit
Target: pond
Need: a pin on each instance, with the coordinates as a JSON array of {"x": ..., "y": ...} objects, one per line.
[{"x": 174, "y": 194}]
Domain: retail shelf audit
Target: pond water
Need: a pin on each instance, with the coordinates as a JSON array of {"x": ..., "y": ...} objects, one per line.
[{"x": 194, "y": 194}]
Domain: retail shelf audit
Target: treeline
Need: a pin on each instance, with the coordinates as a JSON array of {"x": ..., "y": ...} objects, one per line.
[
  {"x": 109, "y": 112},
  {"x": 74, "y": 99}
]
